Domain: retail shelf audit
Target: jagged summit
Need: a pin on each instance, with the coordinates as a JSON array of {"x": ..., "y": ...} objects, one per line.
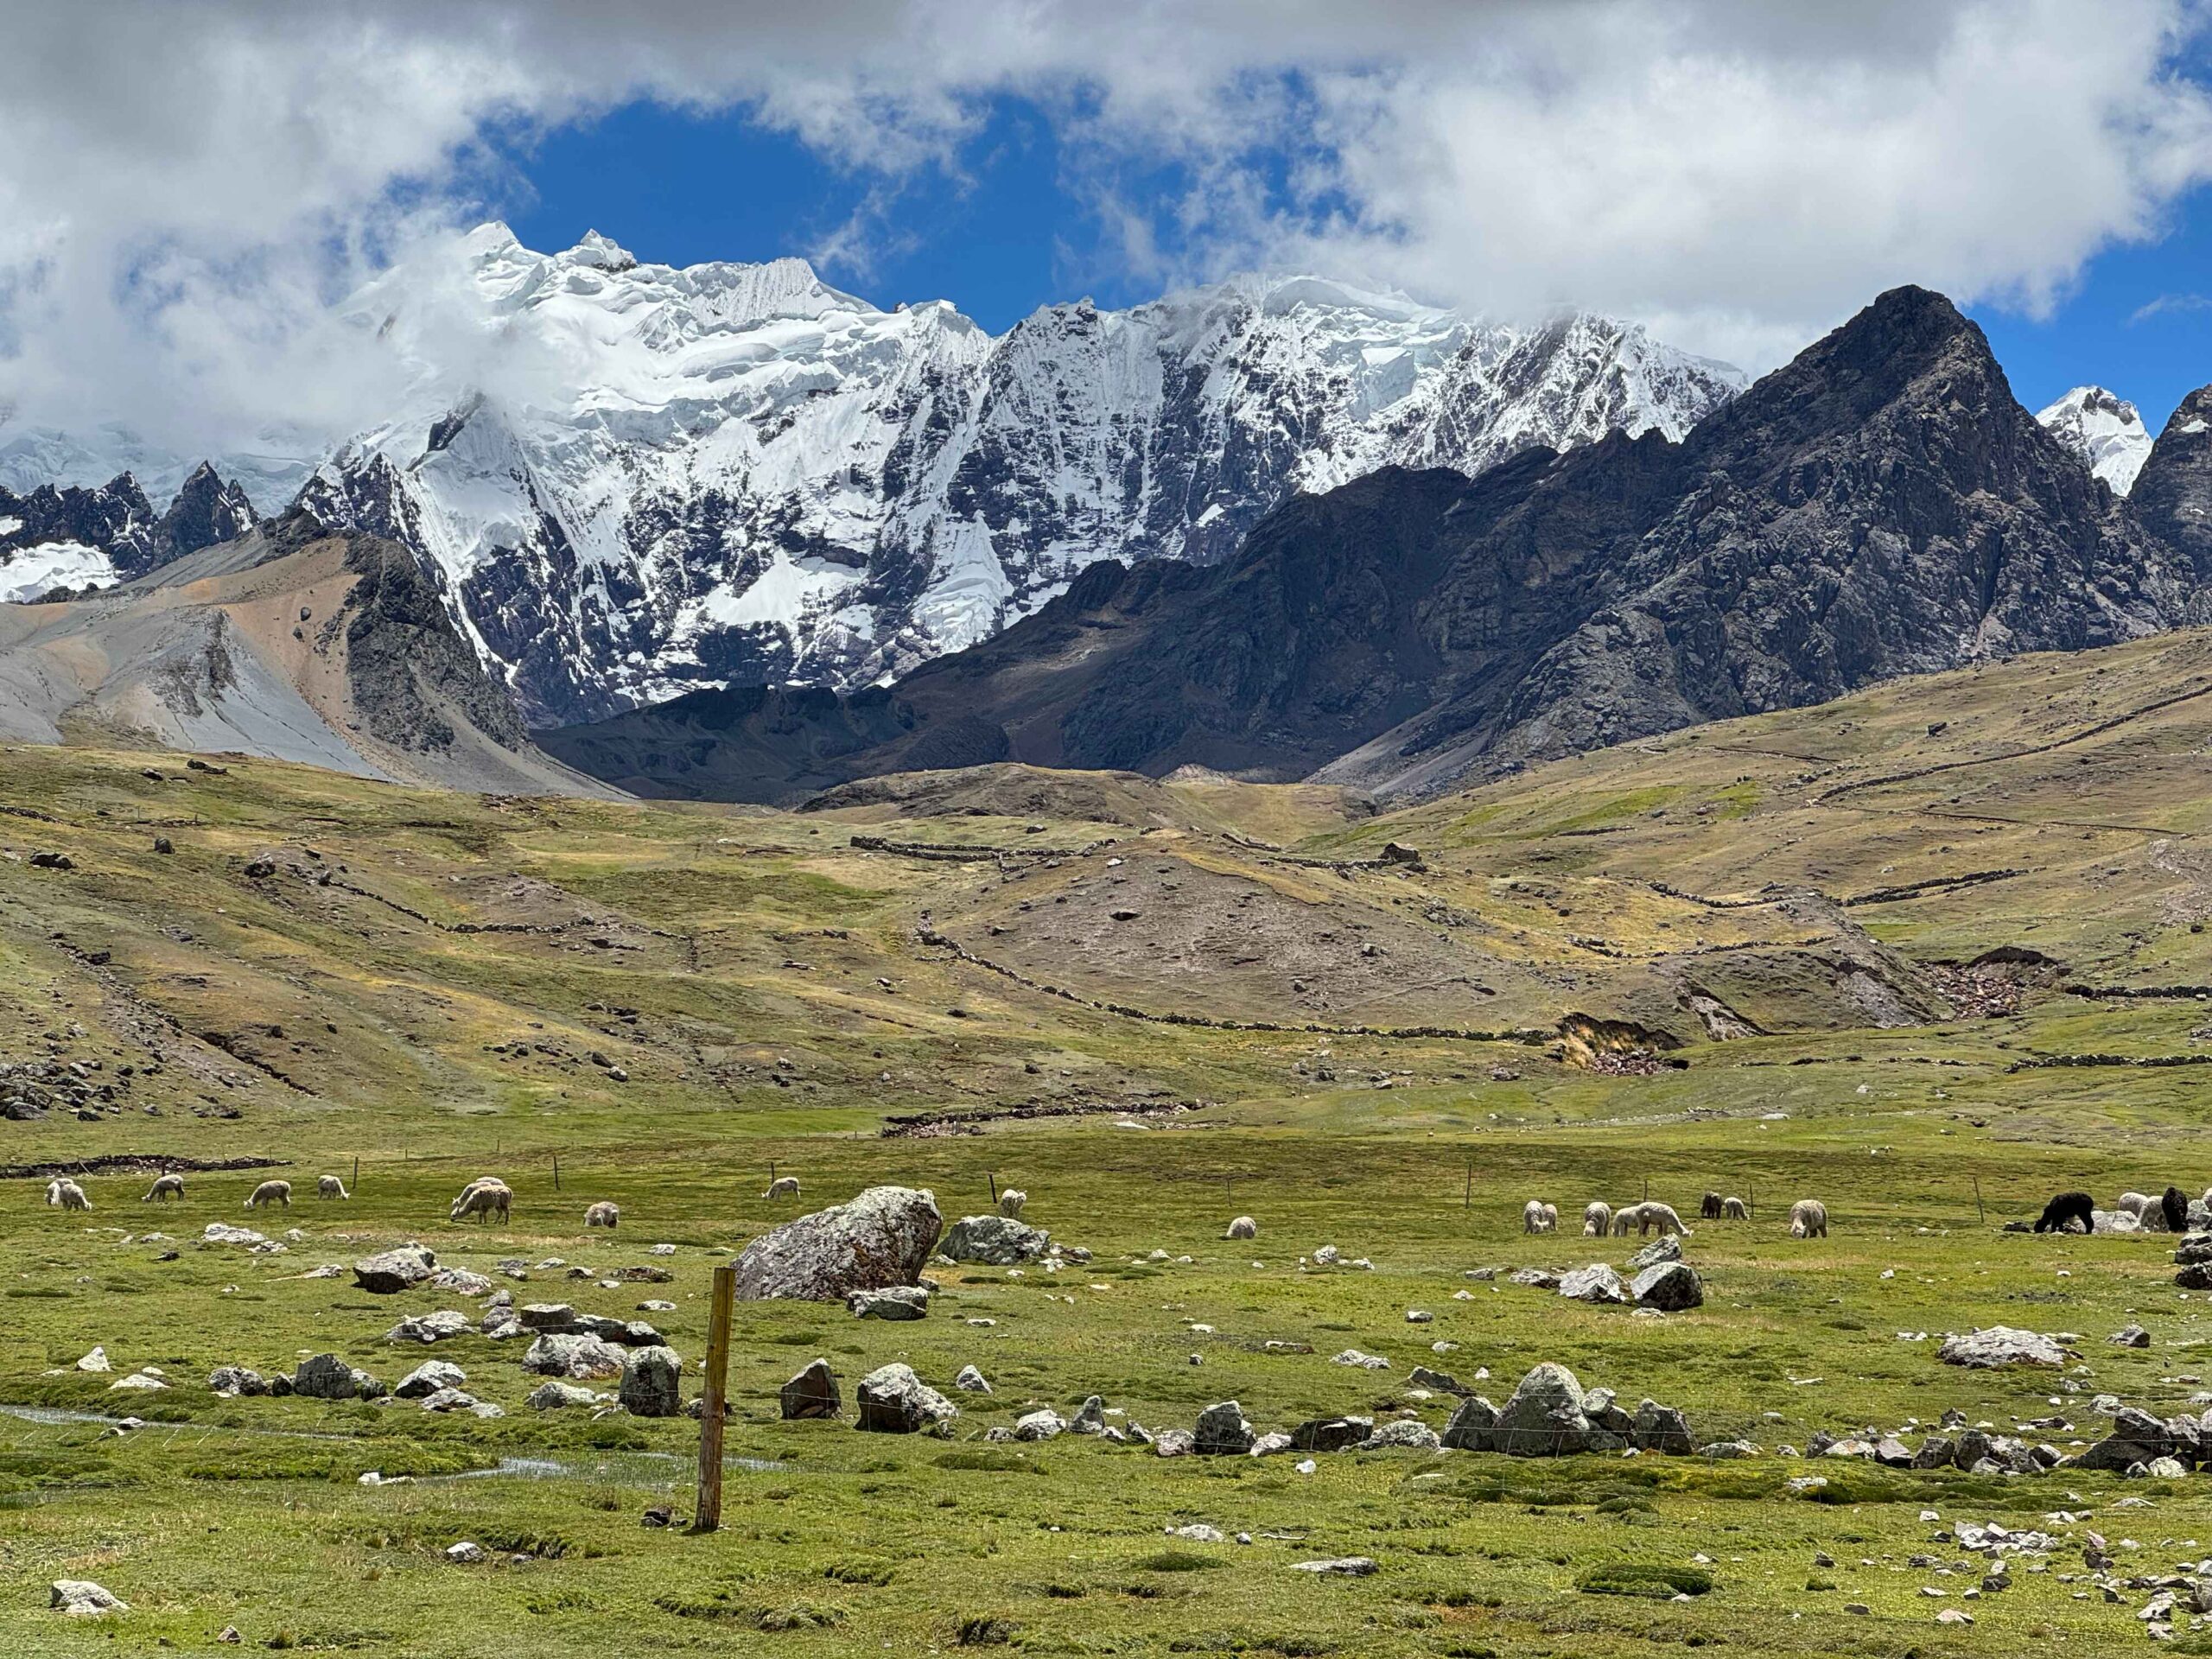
[{"x": 2104, "y": 431}]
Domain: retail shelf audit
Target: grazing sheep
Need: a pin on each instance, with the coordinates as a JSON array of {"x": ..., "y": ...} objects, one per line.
[
  {"x": 2173, "y": 1204},
  {"x": 1537, "y": 1216},
  {"x": 271, "y": 1192},
  {"x": 602, "y": 1214},
  {"x": 1623, "y": 1221},
  {"x": 486, "y": 1195},
  {"x": 329, "y": 1186},
  {"x": 1243, "y": 1227},
  {"x": 2138, "y": 1204},
  {"x": 1708, "y": 1208},
  {"x": 66, "y": 1194},
  {"x": 1652, "y": 1213},
  {"x": 1597, "y": 1217},
  {"x": 784, "y": 1186},
  {"x": 1808, "y": 1218},
  {"x": 2065, "y": 1208},
  {"x": 164, "y": 1188},
  {"x": 1732, "y": 1209},
  {"x": 1011, "y": 1198}
]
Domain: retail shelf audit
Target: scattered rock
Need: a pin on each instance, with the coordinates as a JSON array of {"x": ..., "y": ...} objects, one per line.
[
  {"x": 811, "y": 1393},
  {"x": 1545, "y": 1417},
  {"x": 428, "y": 1378},
  {"x": 572, "y": 1355},
  {"x": 1670, "y": 1286},
  {"x": 649, "y": 1387},
  {"x": 1222, "y": 1429},
  {"x": 892, "y": 1302},
  {"x": 1665, "y": 1247},
  {"x": 1350, "y": 1566},
  {"x": 82, "y": 1599},
  {"x": 326, "y": 1377},
  {"x": 996, "y": 1241},
  {"x": 1596, "y": 1283},
  {"x": 556, "y": 1395},
  {"x": 971, "y": 1381},
  {"x": 429, "y": 1327},
  {"x": 893, "y": 1401},
  {"x": 389, "y": 1272}
]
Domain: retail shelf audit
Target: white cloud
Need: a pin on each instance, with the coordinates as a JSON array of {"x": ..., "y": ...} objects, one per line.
[{"x": 184, "y": 189}]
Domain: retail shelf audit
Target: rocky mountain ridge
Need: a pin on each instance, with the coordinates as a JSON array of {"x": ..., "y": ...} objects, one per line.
[{"x": 1880, "y": 505}]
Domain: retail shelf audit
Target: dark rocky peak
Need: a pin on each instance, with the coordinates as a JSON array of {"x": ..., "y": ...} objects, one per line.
[
  {"x": 2172, "y": 496},
  {"x": 208, "y": 510}
]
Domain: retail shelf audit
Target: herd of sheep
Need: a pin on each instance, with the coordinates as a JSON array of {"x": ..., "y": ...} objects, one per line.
[
  {"x": 1808, "y": 1217},
  {"x": 486, "y": 1198}
]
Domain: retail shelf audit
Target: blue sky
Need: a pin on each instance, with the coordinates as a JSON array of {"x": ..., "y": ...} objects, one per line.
[{"x": 1005, "y": 229}]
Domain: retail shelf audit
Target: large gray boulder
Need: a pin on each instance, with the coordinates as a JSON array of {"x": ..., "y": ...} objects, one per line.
[
  {"x": 648, "y": 1387},
  {"x": 893, "y": 1401},
  {"x": 996, "y": 1241},
  {"x": 1331, "y": 1434},
  {"x": 326, "y": 1377},
  {"x": 884, "y": 1236},
  {"x": 1545, "y": 1417},
  {"x": 573, "y": 1355},
  {"x": 1665, "y": 1247},
  {"x": 389, "y": 1272},
  {"x": 2000, "y": 1346},
  {"x": 812, "y": 1393},
  {"x": 1670, "y": 1286}
]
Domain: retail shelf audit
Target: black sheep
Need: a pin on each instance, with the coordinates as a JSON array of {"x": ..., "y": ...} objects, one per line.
[
  {"x": 2174, "y": 1204},
  {"x": 2066, "y": 1206},
  {"x": 1710, "y": 1208}
]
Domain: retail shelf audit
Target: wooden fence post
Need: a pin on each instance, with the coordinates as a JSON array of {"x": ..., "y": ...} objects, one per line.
[
  {"x": 357, "y": 1171},
  {"x": 1467, "y": 1197},
  {"x": 708, "y": 1515},
  {"x": 1980, "y": 1215},
  {"x": 557, "y": 1171}
]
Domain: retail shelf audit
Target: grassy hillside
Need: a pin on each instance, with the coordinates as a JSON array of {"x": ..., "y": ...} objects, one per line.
[{"x": 1753, "y": 958}]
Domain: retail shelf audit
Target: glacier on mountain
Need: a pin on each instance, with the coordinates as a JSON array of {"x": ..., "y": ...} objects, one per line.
[
  {"x": 2104, "y": 431},
  {"x": 637, "y": 480}
]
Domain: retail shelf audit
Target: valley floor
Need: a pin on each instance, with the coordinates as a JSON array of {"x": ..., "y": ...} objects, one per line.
[{"x": 1754, "y": 959}]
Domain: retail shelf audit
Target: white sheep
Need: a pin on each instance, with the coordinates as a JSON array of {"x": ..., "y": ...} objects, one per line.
[
  {"x": 164, "y": 1188},
  {"x": 271, "y": 1192},
  {"x": 1652, "y": 1213},
  {"x": 66, "y": 1194},
  {"x": 1011, "y": 1198},
  {"x": 784, "y": 1186},
  {"x": 1243, "y": 1227},
  {"x": 1808, "y": 1218},
  {"x": 1597, "y": 1218},
  {"x": 329, "y": 1186},
  {"x": 486, "y": 1195},
  {"x": 1537, "y": 1216},
  {"x": 1734, "y": 1209},
  {"x": 2138, "y": 1204},
  {"x": 602, "y": 1214}
]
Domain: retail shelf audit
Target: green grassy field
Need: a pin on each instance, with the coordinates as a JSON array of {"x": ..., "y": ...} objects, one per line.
[{"x": 1369, "y": 1056}]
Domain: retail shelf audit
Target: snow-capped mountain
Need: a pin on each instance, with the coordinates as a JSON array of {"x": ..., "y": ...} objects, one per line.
[
  {"x": 2104, "y": 431},
  {"x": 655, "y": 480}
]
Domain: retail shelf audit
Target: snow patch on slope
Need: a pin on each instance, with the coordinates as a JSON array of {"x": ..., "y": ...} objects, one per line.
[{"x": 32, "y": 572}]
